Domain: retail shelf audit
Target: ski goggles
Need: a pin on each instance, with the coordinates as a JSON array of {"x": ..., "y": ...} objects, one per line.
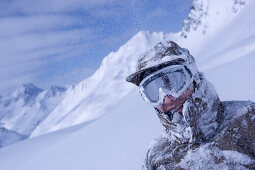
[{"x": 172, "y": 80}]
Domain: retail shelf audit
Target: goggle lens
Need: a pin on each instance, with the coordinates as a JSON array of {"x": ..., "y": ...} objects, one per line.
[{"x": 170, "y": 81}]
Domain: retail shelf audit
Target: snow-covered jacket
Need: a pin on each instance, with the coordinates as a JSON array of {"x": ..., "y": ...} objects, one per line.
[{"x": 211, "y": 134}]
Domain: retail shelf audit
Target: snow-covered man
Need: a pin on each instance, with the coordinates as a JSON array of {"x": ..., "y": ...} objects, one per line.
[{"x": 202, "y": 132}]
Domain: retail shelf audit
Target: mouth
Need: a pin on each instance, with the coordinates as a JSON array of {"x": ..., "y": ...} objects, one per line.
[
  {"x": 177, "y": 108},
  {"x": 170, "y": 113}
]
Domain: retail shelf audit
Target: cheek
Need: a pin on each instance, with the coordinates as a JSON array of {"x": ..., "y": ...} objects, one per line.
[
  {"x": 184, "y": 97},
  {"x": 161, "y": 108}
]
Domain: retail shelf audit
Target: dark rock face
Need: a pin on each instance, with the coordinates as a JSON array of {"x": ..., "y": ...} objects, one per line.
[
  {"x": 237, "y": 5},
  {"x": 198, "y": 11}
]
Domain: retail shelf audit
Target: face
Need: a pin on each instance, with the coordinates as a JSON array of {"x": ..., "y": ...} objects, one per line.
[
  {"x": 171, "y": 103},
  {"x": 162, "y": 87}
]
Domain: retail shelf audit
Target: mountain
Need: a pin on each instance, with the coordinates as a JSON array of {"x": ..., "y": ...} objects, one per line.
[
  {"x": 24, "y": 109},
  {"x": 92, "y": 97}
]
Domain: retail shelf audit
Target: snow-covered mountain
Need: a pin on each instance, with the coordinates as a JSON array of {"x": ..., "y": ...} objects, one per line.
[
  {"x": 24, "y": 109},
  {"x": 92, "y": 97},
  {"x": 215, "y": 32},
  {"x": 205, "y": 20}
]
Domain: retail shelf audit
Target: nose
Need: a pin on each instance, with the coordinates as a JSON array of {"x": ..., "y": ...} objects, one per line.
[
  {"x": 168, "y": 103},
  {"x": 168, "y": 99}
]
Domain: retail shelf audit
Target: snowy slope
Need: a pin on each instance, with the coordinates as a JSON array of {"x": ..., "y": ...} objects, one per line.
[
  {"x": 119, "y": 139},
  {"x": 116, "y": 141}
]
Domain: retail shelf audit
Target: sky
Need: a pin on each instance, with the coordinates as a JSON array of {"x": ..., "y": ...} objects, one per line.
[{"x": 52, "y": 42}]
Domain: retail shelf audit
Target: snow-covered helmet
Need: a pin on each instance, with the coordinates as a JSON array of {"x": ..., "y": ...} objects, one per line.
[
  {"x": 161, "y": 55},
  {"x": 166, "y": 69}
]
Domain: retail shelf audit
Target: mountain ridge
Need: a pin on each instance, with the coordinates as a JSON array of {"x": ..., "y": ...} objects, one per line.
[{"x": 26, "y": 108}]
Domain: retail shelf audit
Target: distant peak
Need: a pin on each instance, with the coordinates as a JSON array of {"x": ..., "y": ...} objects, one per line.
[
  {"x": 58, "y": 88},
  {"x": 27, "y": 89},
  {"x": 29, "y": 86}
]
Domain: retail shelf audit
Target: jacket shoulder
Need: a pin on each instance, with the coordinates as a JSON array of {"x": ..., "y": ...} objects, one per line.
[
  {"x": 238, "y": 133},
  {"x": 165, "y": 152},
  {"x": 234, "y": 109}
]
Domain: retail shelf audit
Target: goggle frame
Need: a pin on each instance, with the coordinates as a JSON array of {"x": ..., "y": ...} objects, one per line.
[{"x": 163, "y": 91}]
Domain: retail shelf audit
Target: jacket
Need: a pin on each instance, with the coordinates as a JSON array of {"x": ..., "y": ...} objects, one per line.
[{"x": 210, "y": 134}]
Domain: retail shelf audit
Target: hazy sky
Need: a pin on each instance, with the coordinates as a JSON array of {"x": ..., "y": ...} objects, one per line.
[{"x": 59, "y": 42}]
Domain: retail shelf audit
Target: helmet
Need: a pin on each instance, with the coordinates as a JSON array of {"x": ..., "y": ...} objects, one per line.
[
  {"x": 166, "y": 69},
  {"x": 162, "y": 55}
]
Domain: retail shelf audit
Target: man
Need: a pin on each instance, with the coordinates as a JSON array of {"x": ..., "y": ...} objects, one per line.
[{"x": 202, "y": 132}]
